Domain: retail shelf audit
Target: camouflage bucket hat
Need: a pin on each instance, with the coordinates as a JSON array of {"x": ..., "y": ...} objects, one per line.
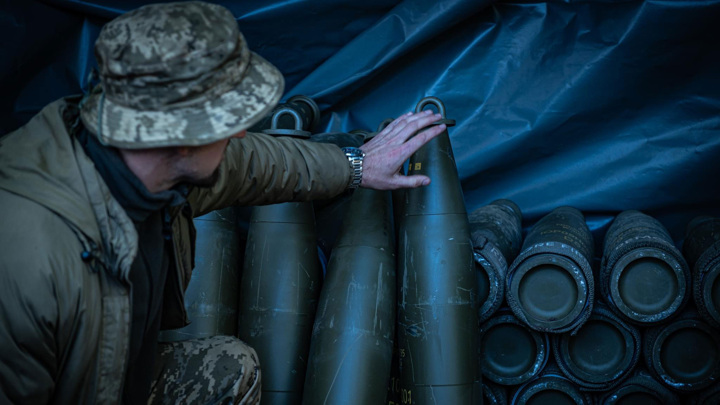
[{"x": 177, "y": 74}]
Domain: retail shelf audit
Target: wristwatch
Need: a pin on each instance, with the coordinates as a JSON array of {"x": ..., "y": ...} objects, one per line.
[{"x": 355, "y": 157}]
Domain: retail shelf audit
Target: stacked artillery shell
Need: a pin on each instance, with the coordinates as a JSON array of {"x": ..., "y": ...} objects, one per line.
[
  {"x": 684, "y": 353},
  {"x": 640, "y": 388},
  {"x": 550, "y": 285},
  {"x": 329, "y": 213},
  {"x": 710, "y": 396},
  {"x": 510, "y": 353},
  {"x": 551, "y": 387},
  {"x": 494, "y": 394},
  {"x": 601, "y": 354},
  {"x": 280, "y": 288},
  {"x": 352, "y": 341},
  {"x": 437, "y": 302},
  {"x": 353, "y": 139},
  {"x": 643, "y": 275},
  {"x": 211, "y": 300},
  {"x": 702, "y": 250},
  {"x": 393, "y": 390},
  {"x": 398, "y": 195},
  {"x": 496, "y": 232},
  {"x": 305, "y": 109}
]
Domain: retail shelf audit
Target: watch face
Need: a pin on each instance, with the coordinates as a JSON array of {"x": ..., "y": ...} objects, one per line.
[{"x": 353, "y": 152}]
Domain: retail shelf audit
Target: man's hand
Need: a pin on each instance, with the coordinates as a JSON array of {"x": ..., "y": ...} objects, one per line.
[{"x": 389, "y": 149}]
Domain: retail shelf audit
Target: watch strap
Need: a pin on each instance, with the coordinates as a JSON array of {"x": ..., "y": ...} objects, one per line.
[{"x": 355, "y": 157}]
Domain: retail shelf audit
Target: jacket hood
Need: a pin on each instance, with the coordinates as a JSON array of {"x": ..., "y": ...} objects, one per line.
[{"x": 42, "y": 162}]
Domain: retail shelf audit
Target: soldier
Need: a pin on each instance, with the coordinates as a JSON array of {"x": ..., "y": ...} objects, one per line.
[{"x": 98, "y": 196}]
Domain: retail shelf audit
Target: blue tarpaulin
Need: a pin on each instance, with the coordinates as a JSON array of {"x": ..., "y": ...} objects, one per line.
[{"x": 601, "y": 105}]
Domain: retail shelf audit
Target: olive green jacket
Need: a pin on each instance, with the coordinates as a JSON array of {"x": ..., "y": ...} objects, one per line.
[{"x": 66, "y": 247}]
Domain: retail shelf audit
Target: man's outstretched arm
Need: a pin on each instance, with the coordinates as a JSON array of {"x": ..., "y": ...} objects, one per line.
[{"x": 260, "y": 169}]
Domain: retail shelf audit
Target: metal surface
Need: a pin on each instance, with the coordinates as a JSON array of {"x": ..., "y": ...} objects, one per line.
[
  {"x": 437, "y": 302},
  {"x": 496, "y": 232},
  {"x": 499, "y": 223},
  {"x": 278, "y": 297},
  {"x": 494, "y": 394},
  {"x": 294, "y": 128},
  {"x": 550, "y": 285},
  {"x": 511, "y": 353},
  {"x": 329, "y": 213},
  {"x": 279, "y": 290},
  {"x": 707, "y": 397},
  {"x": 211, "y": 299},
  {"x": 304, "y": 107},
  {"x": 639, "y": 389},
  {"x": 702, "y": 250},
  {"x": 684, "y": 354},
  {"x": 601, "y": 354},
  {"x": 394, "y": 391},
  {"x": 551, "y": 387},
  {"x": 643, "y": 275},
  {"x": 352, "y": 340}
]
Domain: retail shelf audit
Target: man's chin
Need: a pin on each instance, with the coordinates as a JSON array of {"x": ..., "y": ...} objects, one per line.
[{"x": 204, "y": 182}]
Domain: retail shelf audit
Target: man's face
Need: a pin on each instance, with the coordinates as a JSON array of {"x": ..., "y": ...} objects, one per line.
[{"x": 202, "y": 164}]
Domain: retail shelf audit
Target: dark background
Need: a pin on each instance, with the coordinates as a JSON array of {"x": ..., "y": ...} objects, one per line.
[{"x": 601, "y": 105}]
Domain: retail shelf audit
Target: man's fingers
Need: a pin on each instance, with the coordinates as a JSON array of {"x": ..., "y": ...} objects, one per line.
[
  {"x": 389, "y": 127},
  {"x": 392, "y": 127},
  {"x": 415, "y": 143},
  {"x": 411, "y": 129},
  {"x": 416, "y": 180},
  {"x": 387, "y": 151},
  {"x": 404, "y": 127}
]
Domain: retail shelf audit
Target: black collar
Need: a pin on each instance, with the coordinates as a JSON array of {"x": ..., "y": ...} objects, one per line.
[{"x": 127, "y": 189}]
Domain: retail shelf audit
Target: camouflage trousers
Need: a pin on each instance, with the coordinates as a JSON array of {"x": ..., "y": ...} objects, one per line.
[{"x": 214, "y": 370}]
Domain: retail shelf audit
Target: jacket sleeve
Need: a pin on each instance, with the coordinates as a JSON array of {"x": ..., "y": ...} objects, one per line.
[
  {"x": 28, "y": 321},
  {"x": 259, "y": 169},
  {"x": 42, "y": 316}
]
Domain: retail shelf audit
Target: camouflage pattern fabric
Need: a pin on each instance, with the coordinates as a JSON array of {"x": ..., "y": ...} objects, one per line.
[
  {"x": 214, "y": 370},
  {"x": 177, "y": 74}
]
